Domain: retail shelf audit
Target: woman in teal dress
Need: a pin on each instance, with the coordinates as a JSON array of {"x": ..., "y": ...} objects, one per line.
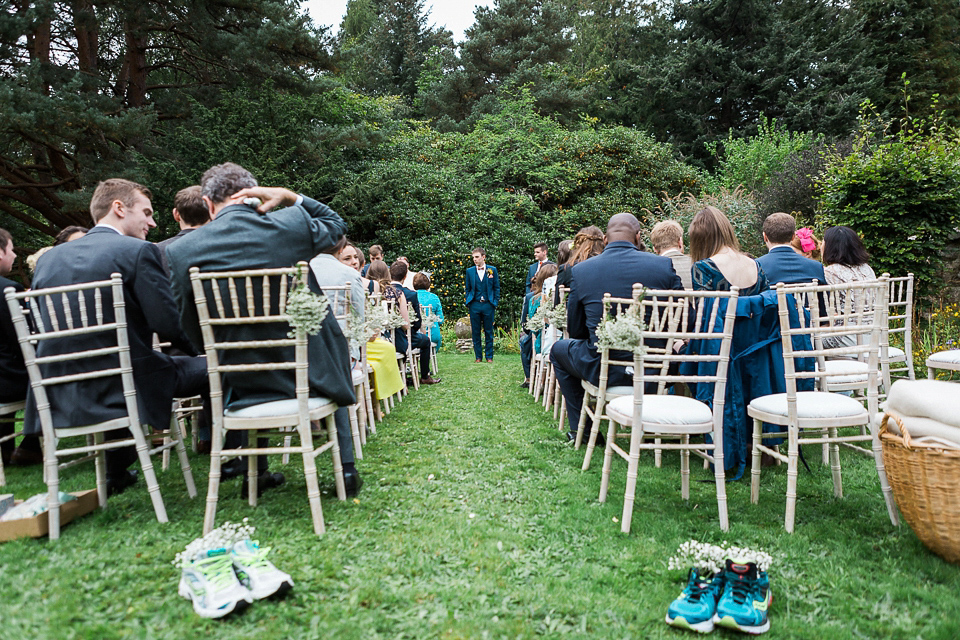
[
  {"x": 718, "y": 263},
  {"x": 427, "y": 299}
]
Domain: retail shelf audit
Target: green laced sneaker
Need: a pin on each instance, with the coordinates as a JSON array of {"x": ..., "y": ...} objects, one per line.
[
  {"x": 257, "y": 573},
  {"x": 210, "y": 583},
  {"x": 695, "y": 607}
]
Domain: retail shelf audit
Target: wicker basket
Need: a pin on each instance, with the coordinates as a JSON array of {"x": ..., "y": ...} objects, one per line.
[{"x": 926, "y": 485}]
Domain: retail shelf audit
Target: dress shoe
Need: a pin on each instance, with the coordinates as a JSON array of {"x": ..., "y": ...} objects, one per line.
[
  {"x": 118, "y": 484},
  {"x": 525, "y": 384},
  {"x": 265, "y": 480},
  {"x": 429, "y": 380},
  {"x": 26, "y": 457},
  {"x": 489, "y": 360},
  {"x": 203, "y": 447},
  {"x": 352, "y": 483},
  {"x": 232, "y": 469}
]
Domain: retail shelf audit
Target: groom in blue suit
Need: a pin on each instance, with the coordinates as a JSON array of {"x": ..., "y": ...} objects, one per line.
[{"x": 483, "y": 294}]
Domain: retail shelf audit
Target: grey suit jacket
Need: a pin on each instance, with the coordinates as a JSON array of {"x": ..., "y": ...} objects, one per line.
[
  {"x": 241, "y": 238},
  {"x": 149, "y": 308},
  {"x": 682, "y": 264}
]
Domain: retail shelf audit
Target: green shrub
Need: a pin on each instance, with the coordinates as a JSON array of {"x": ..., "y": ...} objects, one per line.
[
  {"x": 752, "y": 162},
  {"x": 900, "y": 192}
]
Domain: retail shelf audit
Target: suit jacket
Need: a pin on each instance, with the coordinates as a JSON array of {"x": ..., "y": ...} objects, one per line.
[
  {"x": 149, "y": 309},
  {"x": 488, "y": 289},
  {"x": 614, "y": 271},
  {"x": 532, "y": 271},
  {"x": 783, "y": 264},
  {"x": 682, "y": 264},
  {"x": 13, "y": 373},
  {"x": 241, "y": 238},
  {"x": 163, "y": 244},
  {"x": 413, "y": 303}
]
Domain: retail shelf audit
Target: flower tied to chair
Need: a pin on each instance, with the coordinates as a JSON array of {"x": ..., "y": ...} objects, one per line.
[{"x": 807, "y": 243}]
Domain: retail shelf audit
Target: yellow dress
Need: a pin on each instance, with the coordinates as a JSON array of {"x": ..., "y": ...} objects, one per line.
[{"x": 382, "y": 357}]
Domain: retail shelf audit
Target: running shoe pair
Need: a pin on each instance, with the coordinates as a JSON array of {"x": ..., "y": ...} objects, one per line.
[
  {"x": 736, "y": 598},
  {"x": 220, "y": 581}
]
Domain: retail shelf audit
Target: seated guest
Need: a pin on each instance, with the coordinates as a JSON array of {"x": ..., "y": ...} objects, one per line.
[
  {"x": 69, "y": 234},
  {"x": 806, "y": 244},
  {"x": 190, "y": 212},
  {"x": 563, "y": 255},
  {"x": 330, "y": 272},
  {"x": 531, "y": 343},
  {"x": 845, "y": 259},
  {"x": 381, "y": 355},
  {"x": 124, "y": 215},
  {"x": 782, "y": 263},
  {"x": 541, "y": 260},
  {"x": 239, "y": 237},
  {"x": 719, "y": 263},
  {"x": 353, "y": 258},
  {"x": 379, "y": 272},
  {"x": 398, "y": 273},
  {"x": 536, "y": 288},
  {"x": 376, "y": 253},
  {"x": 407, "y": 279},
  {"x": 428, "y": 299},
  {"x": 586, "y": 244},
  {"x": 667, "y": 239},
  {"x": 13, "y": 372},
  {"x": 615, "y": 271}
]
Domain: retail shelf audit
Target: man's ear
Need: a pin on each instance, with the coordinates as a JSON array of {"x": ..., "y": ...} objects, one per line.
[
  {"x": 639, "y": 239},
  {"x": 176, "y": 215},
  {"x": 605, "y": 240},
  {"x": 117, "y": 208},
  {"x": 210, "y": 207},
  {"x": 765, "y": 238}
]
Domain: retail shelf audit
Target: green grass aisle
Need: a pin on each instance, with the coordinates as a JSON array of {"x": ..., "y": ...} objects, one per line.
[{"x": 476, "y": 522}]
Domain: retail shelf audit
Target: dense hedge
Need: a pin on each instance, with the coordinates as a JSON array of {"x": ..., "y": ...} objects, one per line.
[{"x": 516, "y": 179}]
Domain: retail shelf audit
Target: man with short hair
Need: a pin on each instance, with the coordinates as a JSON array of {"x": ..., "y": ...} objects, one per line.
[
  {"x": 614, "y": 271},
  {"x": 376, "y": 253},
  {"x": 245, "y": 234},
  {"x": 782, "y": 263},
  {"x": 667, "y": 239},
  {"x": 399, "y": 272},
  {"x": 330, "y": 272},
  {"x": 541, "y": 260},
  {"x": 482, "y": 283},
  {"x": 123, "y": 215},
  {"x": 190, "y": 212}
]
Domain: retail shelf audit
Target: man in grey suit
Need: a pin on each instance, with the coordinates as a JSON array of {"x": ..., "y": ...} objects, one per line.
[
  {"x": 667, "y": 239},
  {"x": 190, "y": 212},
  {"x": 242, "y": 235}
]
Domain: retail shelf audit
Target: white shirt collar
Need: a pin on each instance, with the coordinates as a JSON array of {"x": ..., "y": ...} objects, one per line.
[{"x": 108, "y": 226}]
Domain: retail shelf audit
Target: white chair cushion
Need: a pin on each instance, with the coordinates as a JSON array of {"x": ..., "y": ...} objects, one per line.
[
  {"x": 623, "y": 390},
  {"x": 811, "y": 405},
  {"x": 275, "y": 408},
  {"x": 846, "y": 371},
  {"x": 948, "y": 357},
  {"x": 895, "y": 354},
  {"x": 358, "y": 378},
  {"x": 665, "y": 410}
]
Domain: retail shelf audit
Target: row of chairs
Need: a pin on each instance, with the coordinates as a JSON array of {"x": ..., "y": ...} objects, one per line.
[
  {"x": 228, "y": 304},
  {"x": 855, "y": 333}
]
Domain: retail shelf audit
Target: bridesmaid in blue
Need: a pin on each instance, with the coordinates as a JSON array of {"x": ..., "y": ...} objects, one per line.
[{"x": 718, "y": 262}]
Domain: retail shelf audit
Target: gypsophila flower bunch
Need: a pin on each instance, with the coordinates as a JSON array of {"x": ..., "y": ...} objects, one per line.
[
  {"x": 711, "y": 558},
  {"x": 223, "y": 537},
  {"x": 394, "y": 320},
  {"x": 557, "y": 315},
  {"x": 305, "y": 308},
  {"x": 430, "y": 319},
  {"x": 622, "y": 332},
  {"x": 538, "y": 320}
]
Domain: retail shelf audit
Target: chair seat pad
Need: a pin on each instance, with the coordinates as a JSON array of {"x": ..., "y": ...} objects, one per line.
[
  {"x": 665, "y": 410},
  {"x": 621, "y": 390},
  {"x": 947, "y": 357},
  {"x": 811, "y": 405},
  {"x": 846, "y": 371},
  {"x": 275, "y": 408},
  {"x": 358, "y": 377},
  {"x": 895, "y": 354}
]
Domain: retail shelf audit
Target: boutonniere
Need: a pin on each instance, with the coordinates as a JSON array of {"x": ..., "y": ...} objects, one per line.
[{"x": 489, "y": 273}]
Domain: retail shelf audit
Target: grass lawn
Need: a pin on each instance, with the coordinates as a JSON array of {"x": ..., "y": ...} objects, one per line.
[{"x": 475, "y": 521}]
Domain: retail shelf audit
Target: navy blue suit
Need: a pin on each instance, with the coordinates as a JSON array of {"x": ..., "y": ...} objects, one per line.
[
  {"x": 532, "y": 271},
  {"x": 482, "y": 299},
  {"x": 783, "y": 264},
  {"x": 614, "y": 271},
  {"x": 420, "y": 340}
]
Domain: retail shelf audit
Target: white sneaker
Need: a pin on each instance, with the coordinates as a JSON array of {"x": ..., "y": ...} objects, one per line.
[
  {"x": 257, "y": 573},
  {"x": 210, "y": 583}
]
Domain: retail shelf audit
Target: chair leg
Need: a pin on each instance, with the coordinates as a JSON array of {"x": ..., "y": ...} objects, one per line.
[
  {"x": 146, "y": 465},
  {"x": 213, "y": 484},
  {"x": 562, "y": 424},
  {"x": 100, "y": 470},
  {"x": 310, "y": 476},
  {"x": 607, "y": 460},
  {"x": 355, "y": 432},
  {"x": 835, "y": 465},
  {"x": 633, "y": 464},
  {"x": 337, "y": 462},
  {"x": 657, "y": 454},
  {"x": 582, "y": 422},
  {"x": 720, "y": 478},
  {"x": 252, "y": 473},
  {"x": 882, "y": 474},
  {"x": 792, "y": 456},
  {"x": 685, "y": 470},
  {"x": 595, "y": 428},
  {"x": 184, "y": 460},
  {"x": 754, "y": 463}
]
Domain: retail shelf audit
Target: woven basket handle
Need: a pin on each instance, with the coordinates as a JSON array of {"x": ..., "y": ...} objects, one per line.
[{"x": 903, "y": 430}]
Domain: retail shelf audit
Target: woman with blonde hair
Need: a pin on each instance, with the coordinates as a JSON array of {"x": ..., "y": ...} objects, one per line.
[
  {"x": 587, "y": 243},
  {"x": 718, "y": 263}
]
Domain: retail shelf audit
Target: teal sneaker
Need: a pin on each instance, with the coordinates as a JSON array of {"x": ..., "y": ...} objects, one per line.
[
  {"x": 746, "y": 599},
  {"x": 695, "y": 607}
]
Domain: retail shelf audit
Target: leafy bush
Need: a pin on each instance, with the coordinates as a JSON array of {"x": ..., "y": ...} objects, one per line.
[
  {"x": 792, "y": 188},
  {"x": 752, "y": 162},
  {"x": 900, "y": 192}
]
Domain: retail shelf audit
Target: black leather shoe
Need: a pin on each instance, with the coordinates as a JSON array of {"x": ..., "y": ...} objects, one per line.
[
  {"x": 352, "y": 482},
  {"x": 118, "y": 484},
  {"x": 26, "y": 457},
  {"x": 265, "y": 481},
  {"x": 232, "y": 469}
]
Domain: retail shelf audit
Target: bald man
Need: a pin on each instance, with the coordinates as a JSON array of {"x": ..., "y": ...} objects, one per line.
[{"x": 614, "y": 271}]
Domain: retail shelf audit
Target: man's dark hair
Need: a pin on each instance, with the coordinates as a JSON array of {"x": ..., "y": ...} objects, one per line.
[
  {"x": 114, "y": 189},
  {"x": 66, "y": 232},
  {"x": 191, "y": 207},
  {"x": 223, "y": 180},
  {"x": 842, "y": 245},
  {"x": 421, "y": 281},
  {"x": 540, "y": 245},
  {"x": 375, "y": 249},
  {"x": 5, "y": 239},
  {"x": 398, "y": 271},
  {"x": 780, "y": 228},
  {"x": 481, "y": 250}
]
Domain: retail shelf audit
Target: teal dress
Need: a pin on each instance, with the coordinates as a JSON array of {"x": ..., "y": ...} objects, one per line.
[
  {"x": 707, "y": 277},
  {"x": 427, "y": 298},
  {"x": 531, "y": 310}
]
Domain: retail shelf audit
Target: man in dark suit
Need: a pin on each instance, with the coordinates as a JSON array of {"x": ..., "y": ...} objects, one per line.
[
  {"x": 614, "y": 271},
  {"x": 398, "y": 272},
  {"x": 782, "y": 263},
  {"x": 190, "y": 212},
  {"x": 482, "y": 296},
  {"x": 117, "y": 244},
  {"x": 540, "y": 255},
  {"x": 242, "y": 235}
]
